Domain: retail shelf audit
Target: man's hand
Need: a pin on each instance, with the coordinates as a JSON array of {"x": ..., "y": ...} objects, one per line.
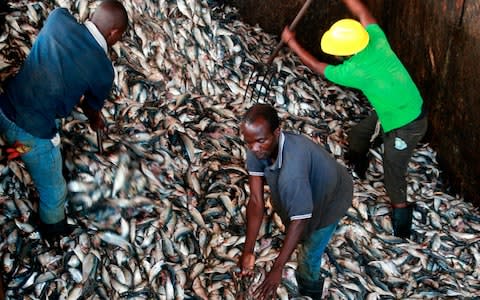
[
  {"x": 268, "y": 287},
  {"x": 95, "y": 118},
  {"x": 287, "y": 35},
  {"x": 96, "y": 121},
  {"x": 246, "y": 264}
]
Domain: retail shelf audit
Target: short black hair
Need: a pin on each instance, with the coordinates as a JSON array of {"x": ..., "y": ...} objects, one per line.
[
  {"x": 262, "y": 111},
  {"x": 113, "y": 16}
]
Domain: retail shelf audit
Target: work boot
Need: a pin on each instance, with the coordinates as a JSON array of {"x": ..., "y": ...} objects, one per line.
[
  {"x": 359, "y": 162},
  {"x": 402, "y": 221},
  {"x": 53, "y": 232},
  {"x": 310, "y": 288},
  {"x": 34, "y": 219}
]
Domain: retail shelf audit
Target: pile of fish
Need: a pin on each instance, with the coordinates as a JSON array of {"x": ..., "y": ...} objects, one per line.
[{"x": 160, "y": 214}]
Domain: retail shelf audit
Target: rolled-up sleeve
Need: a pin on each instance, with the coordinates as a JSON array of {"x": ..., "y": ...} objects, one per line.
[
  {"x": 298, "y": 199},
  {"x": 255, "y": 167}
]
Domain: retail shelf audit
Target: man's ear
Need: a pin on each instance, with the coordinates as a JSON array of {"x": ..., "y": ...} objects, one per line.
[
  {"x": 114, "y": 36},
  {"x": 276, "y": 132}
]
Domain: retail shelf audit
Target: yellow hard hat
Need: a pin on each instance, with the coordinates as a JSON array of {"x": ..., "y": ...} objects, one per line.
[{"x": 345, "y": 37}]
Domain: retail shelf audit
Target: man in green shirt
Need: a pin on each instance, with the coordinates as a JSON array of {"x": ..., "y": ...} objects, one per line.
[{"x": 371, "y": 66}]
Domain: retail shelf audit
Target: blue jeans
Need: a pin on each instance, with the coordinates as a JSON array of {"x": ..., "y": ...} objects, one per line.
[
  {"x": 311, "y": 251},
  {"x": 44, "y": 163}
]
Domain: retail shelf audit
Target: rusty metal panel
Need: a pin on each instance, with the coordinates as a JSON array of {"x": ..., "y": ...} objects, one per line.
[
  {"x": 438, "y": 41},
  {"x": 458, "y": 117}
]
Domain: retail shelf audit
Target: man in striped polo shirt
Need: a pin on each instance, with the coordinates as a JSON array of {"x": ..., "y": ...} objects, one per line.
[{"x": 309, "y": 189}]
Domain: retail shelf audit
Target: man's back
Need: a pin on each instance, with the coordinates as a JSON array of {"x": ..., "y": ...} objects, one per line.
[
  {"x": 309, "y": 164},
  {"x": 65, "y": 63}
]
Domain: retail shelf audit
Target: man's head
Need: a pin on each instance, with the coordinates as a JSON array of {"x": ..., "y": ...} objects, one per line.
[
  {"x": 111, "y": 19},
  {"x": 261, "y": 131},
  {"x": 346, "y": 37}
]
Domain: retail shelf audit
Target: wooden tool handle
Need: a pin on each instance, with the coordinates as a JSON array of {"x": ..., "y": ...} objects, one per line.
[
  {"x": 99, "y": 141},
  {"x": 292, "y": 26}
]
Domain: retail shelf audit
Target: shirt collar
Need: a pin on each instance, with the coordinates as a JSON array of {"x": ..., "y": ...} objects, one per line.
[
  {"x": 97, "y": 35},
  {"x": 279, "y": 160}
]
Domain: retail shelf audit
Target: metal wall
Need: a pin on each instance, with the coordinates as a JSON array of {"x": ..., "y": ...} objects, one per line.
[{"x": 438, "y": 41}]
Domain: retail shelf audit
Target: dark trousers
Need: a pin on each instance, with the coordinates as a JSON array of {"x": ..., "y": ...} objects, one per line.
[{"x": 398, "y": 149}]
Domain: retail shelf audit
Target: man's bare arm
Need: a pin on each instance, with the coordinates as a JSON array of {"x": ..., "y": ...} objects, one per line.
[{"x": 361, "y": 11}]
